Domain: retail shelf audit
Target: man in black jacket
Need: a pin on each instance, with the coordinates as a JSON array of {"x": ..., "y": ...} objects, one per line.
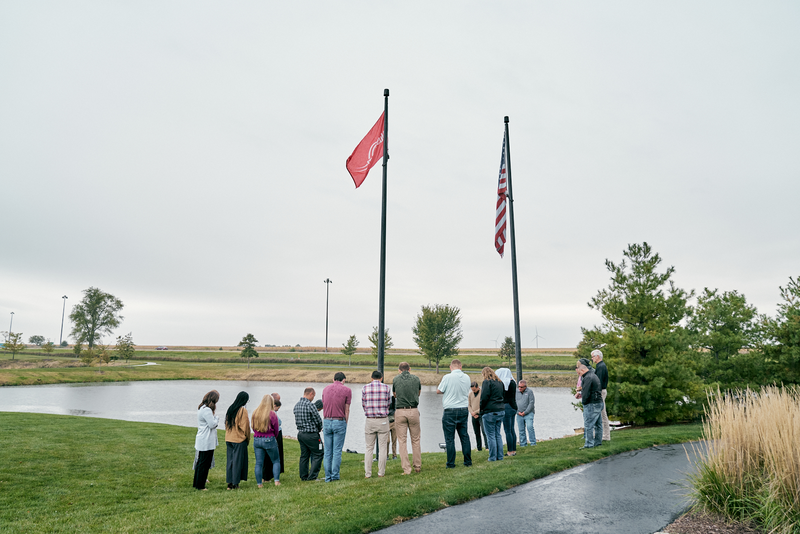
[
  {"x": 602, "y": 373},
  {"x": 592, "y": 401}
]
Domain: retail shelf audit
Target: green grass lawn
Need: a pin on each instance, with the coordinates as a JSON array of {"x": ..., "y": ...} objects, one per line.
[{"x": 66, "y": 474}]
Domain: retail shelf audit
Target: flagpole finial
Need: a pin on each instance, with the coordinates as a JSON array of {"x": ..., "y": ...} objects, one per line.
[
  {"x": 505, "y": 119},
  {"x": 385, "y": 92}
]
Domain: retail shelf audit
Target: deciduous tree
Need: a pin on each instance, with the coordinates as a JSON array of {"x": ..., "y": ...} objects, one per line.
[
  {"x": 14, "y": 343},
  {"x": 49, "y": 347},
  {"x": 96, "y": 314},
  {"x": 349, "y": 348},
  {"x": 102, "y": 353},
  {"x": 125, "y": 347},
  {"x": 373, "y": 339},
  {"x": 249, "y": 344},
  {"x": 36, "y": 340},
  {"x": 645, "y": 345},
  {"x": 508, "y": 349},
  {"x": 437, "y": 332}
]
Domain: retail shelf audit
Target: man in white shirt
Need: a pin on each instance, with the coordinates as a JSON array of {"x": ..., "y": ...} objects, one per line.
[{"x": 455, "y": 388}]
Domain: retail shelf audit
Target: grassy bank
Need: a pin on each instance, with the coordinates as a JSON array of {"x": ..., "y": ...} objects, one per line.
[
  {"x": 37, "y": 371},
  {"x": 65, "y": 474}
]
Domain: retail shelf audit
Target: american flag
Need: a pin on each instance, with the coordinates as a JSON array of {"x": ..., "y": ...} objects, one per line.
[{"x": 500, "y": 213}]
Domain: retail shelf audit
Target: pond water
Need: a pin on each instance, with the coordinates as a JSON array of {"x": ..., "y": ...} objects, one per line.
[{"x": 175, "y": 403}]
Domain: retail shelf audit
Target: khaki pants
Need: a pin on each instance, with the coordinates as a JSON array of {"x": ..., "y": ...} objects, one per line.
[
  {"x": 393, "y": 439},
  {"x": 376, "y": 428},
  {"x": 406, "y": 421},
  {"x": 604, "y": 417}
]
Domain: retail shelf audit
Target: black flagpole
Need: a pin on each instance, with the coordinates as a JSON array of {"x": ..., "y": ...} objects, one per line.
[
  {"x": 382, "y": 298},
  {"x": 510, "y": 196}
]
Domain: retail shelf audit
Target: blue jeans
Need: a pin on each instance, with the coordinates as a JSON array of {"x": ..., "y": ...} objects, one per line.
[
  {"x": 492, "y": 422},
  {"x": 523, "y": 424},
  {"x": 592, "y": 424},
  {"x": 333, "y": 432},
  {"x": 508, "y": 425},
  {"x": 263, "y": 447},
  {"x": 456, "y": 420}
]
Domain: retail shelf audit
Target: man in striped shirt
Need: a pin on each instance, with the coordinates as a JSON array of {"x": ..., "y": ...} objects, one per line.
[{"x": 375, "y": 399}]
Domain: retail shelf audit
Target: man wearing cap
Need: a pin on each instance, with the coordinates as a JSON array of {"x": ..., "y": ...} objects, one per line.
[
  {"x": 592, "y": 402},
  {"x": 602, "y": 373},
  {"x": 406, "y": 388},
  {"x": 375, "y": 399},
  {"x": 336, "y": 399},
  {"x": 455, "y": 388}
]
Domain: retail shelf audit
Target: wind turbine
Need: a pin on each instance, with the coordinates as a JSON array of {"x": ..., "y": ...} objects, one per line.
[
  {"x": 537, "y": 338},
  {"x": 495, "y": 341}
]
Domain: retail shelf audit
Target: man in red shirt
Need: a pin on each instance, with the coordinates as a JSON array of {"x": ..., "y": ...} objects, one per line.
[{"x": 336, "y": 400}]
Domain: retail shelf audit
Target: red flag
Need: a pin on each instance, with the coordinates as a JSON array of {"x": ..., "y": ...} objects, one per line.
[
  {"x": 367, "y": 153},
  {"x": 500, "y": 210}
]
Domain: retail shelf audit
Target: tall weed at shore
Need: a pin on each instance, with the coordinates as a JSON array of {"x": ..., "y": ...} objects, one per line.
[{"x": 751, "y": 470}]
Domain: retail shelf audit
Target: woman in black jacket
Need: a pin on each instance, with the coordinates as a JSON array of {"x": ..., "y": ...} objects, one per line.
[
  {"x": 510, "y": 399},
  {"x": 492, "y": 413}
]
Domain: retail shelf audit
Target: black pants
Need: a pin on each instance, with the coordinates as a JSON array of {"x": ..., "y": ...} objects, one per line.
[
  {"x": 310, "y": 447},
  {"x": 477, "y": 427},
  {"x": 454, "y": 420},
  {"x": 268, "y": 463},
  {"x": 204, "y": 459}
]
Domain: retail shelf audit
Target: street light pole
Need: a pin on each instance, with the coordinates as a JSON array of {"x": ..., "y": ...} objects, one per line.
[
  {"x": 63, "y": 309},
  {"x": 11, "y": 323},
  {"x": 328, "y": 283}
]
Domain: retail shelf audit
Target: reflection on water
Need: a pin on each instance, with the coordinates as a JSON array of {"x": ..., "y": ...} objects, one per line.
[{"x": 175, "y": 403}]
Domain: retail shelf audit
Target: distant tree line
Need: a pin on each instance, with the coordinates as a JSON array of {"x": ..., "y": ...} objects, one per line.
[{"x": 665, "y": 355}]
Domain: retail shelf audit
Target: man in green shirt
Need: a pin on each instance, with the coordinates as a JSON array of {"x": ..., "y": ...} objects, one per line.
[{"x": 406, "y": 388}]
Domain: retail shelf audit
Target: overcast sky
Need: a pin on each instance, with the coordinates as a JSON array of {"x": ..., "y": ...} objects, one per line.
[{"x": 189, "y": 158}]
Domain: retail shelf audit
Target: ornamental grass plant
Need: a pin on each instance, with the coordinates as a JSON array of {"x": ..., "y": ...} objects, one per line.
[{"x": 751, "y": 468}]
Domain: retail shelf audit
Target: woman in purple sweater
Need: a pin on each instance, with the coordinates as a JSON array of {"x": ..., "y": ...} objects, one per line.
[{"x": 265, "y": 427}]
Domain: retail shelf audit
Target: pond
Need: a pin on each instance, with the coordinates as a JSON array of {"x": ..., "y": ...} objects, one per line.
[{"x": 175, "y": 403}]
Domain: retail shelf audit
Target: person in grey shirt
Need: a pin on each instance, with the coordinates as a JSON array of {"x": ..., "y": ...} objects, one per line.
[{"x": 525, "y": 411}]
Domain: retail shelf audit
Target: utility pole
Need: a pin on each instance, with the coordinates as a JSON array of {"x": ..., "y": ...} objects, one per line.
[
  {"x": 63, "y": 309},
  {"x": 328, "y": 283}
]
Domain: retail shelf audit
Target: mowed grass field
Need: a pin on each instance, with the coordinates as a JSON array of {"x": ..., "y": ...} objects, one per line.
[
  {"x": 533, "y": 359},
  {"x": 79, "y": 474},
  {"x": 37, "y": 370}
]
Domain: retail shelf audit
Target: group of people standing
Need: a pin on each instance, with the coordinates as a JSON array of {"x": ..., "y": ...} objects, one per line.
[
  {"x": 591, "y": 389},
  {"x": 266, "y": 433},
  {"x": 500, "y": 402},
  {"x": 495, "y": 407}
]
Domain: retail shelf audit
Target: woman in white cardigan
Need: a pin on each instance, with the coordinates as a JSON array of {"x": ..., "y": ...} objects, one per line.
[{"x": 206, "y": 440}]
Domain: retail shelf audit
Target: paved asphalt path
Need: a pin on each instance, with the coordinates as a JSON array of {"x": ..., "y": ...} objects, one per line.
[{"x": 637, "y": 492}]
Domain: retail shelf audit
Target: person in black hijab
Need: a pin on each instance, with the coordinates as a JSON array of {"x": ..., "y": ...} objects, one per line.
[{"x": 237, "y": 436}]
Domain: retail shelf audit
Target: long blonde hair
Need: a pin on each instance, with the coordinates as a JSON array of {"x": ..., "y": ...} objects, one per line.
[
  {"x": 263, "y": 413},
  {"x": 488, "y": 374}
]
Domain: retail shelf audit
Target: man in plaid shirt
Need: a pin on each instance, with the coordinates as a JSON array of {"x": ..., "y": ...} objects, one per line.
[
  {"x": 309, "y": 425},
  {"x": 375, "y": 399}
]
